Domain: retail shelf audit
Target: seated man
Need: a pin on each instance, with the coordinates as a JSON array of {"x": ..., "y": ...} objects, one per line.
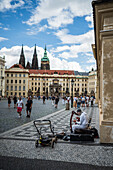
[{"x": 82, "y": 124}]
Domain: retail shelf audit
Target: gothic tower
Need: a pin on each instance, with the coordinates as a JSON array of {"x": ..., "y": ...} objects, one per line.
[
  {"x": 45, "y": 64},
  {"x": 22, "y": 58},
  {"x": 35, "y": 60}
]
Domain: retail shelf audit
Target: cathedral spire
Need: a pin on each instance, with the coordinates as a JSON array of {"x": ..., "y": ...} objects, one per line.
[
  {"x": 35, "y": 60},
  {"x": 22, "y": 58},
  {"x": 45, "y": 64}
]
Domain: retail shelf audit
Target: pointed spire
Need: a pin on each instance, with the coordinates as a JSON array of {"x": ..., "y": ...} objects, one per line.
[
  {"x": 45, "y": 47},
  {"x": 35, "y": 50},
  {"x": 35, "y": 60},
  {"x": 22, "y": 51},
  {"x": 22, "y": 58}
]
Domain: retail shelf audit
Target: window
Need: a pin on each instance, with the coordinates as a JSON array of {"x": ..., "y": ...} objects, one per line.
[
  {"x": 23, "y": 94},
  {"x": 11, "y": 88},
  {"x": 24, "y": 75},
  {"x": 15, "y": 93},
  {"x": 19, "y": 94},
  {"x": 67, "y": 84},
  {"x": 11, "y": 93},
  {"x": 19, "y": 75},
  {"x": 47, "y": 84},
  {"x": 23, "y": 88},
  {"x": 75, "y": 89},
  {"x": 32, "y": 84},
  {"x": 32, "y": 88},
  {"x": 15, "y": 88},
  {"x": 35, "y": 88},
  {"x": 7, "y": 81},
  {"x": 63, "y": 79},
  {"x": 47, "y": 79},
  {"x": 15, "y": 75},
  {"x": 7, "y": 93},
  {"x": 43, "y": 88},
  {"x": 35, "y": 84},
  {"x": 43, "y": 84},
  {"x": 7, "y": 87},
  {"x": 82, "y": 89},
  {"x": 32, "y": 78},
  {"x": 38, "y": 78},
  {"x": 19, "y": 88},
  {"x": 82, "y": 79},
  {"x": 15, "y": 81},
  {"x": 82, "y": 84},
  {"x": 85, "y": 84},
  {"x": 11, "y": 81},
  {"x": 75, "y": 84},
  {"x": 11, "y": 75},
  {"x": 7, "y": 75},
  {"x": 78, "y": 84},
  {"x": 39, "y": 84},
  {"x": 24, "y": 81},
  {"x": 78, "y": 89},
  {"x": 20, "y": 81},
  {"x": 63, "y": 89},
  {"x": 35, "y": 78},
  {"x": 78, "y": 79},
  {"x": 63, "y": 84}
]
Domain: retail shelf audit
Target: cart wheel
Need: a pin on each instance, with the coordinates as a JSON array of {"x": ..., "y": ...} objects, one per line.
[
  {"x": 52, "y": 143},
  {"x": 55, "y": 139},
  {"x": 36, "y": 143}
]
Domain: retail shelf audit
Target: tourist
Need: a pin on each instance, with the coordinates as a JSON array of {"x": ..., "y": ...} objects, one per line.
[
  {"x": 92, "y": 99},
  {"x": 19, "y": 106},
  {"x": 53, "y": 99},
  {"x": 83, "y": 101},
  {"x": 29, "y": 107},
  {"x": 83, "y": 123},
  {"x": 44, "y": 99},
  {"x": 78, "y": 102},
  {"x": 9, "y": 101},
  {"x": 75, "y": 102},
  {"x": 56, "y": 101},
  {"x": 15, "y": 101},
  {"x": 87, "y": 101}
]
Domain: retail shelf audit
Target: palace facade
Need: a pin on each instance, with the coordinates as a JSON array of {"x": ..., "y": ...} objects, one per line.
[
  {"x": 28, "y": 80},
  {"x": 2, "y": 76}
]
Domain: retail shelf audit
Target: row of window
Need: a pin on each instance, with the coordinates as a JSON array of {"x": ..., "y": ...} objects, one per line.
[
  {"x": 16, "y": 75},
  {"x": 15, "y": 88},
  {"x": 15, "y": 93},
  {"x": 15, "y": 81}
]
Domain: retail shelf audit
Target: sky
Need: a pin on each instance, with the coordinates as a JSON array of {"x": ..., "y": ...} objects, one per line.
[{"x": 65, "y": 26}]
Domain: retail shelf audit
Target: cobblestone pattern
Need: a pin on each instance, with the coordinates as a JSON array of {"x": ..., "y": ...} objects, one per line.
[{"x": 60, "y": 120}]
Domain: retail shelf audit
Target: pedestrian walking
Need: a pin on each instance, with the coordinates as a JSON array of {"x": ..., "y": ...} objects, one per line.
[
  {"x": 15, "y": 101},
  {"x": 44, "y": 99},
  {"x": 56, "y": 101},
  {"x": 19, "y": 106},
  {"x": 53, "y": 99},
  {"x": 29, "y": 107},
  {"x": 9, "y": 101}
]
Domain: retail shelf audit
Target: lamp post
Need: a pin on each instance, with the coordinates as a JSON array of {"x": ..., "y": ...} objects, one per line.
[{"x": 72, "y": 82}]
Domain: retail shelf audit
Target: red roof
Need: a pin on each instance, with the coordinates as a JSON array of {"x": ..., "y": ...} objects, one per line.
[
  {"x": 17, "y": 66},
  {"x": 50, "y": 72}
]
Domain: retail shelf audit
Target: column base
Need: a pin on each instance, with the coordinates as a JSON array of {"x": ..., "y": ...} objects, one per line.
[{"x": 106, "y": 131}]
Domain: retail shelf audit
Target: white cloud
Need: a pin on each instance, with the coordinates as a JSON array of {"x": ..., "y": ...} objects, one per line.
[
  {"x": 59, "y": 12},
  {"x": 91, "y": 60},
  {"x": 6, "y": 29},
  {"x": 35, "y": 30},
  {"x": 3, "y": 39},
  {"x": 6, "y": 4},
  {"x": 89, "y": 18},
  {"x": 67, "y": 38},
  {"x": 72, "y": 51},
  {"x": 12, "y": 56}
]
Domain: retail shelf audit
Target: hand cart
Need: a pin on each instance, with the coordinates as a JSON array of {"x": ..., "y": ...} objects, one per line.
[{"x": 45, "y": 139}]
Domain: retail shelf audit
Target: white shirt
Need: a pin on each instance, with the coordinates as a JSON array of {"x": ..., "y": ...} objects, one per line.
[
  {"x": 83, "y": 119},
  {"x": 20, "y": 102}
]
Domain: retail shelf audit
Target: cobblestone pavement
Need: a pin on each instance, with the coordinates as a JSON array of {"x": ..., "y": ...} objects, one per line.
[
  {"x": 9, "y": 116},
  {"x": 20, "y": 143}
]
